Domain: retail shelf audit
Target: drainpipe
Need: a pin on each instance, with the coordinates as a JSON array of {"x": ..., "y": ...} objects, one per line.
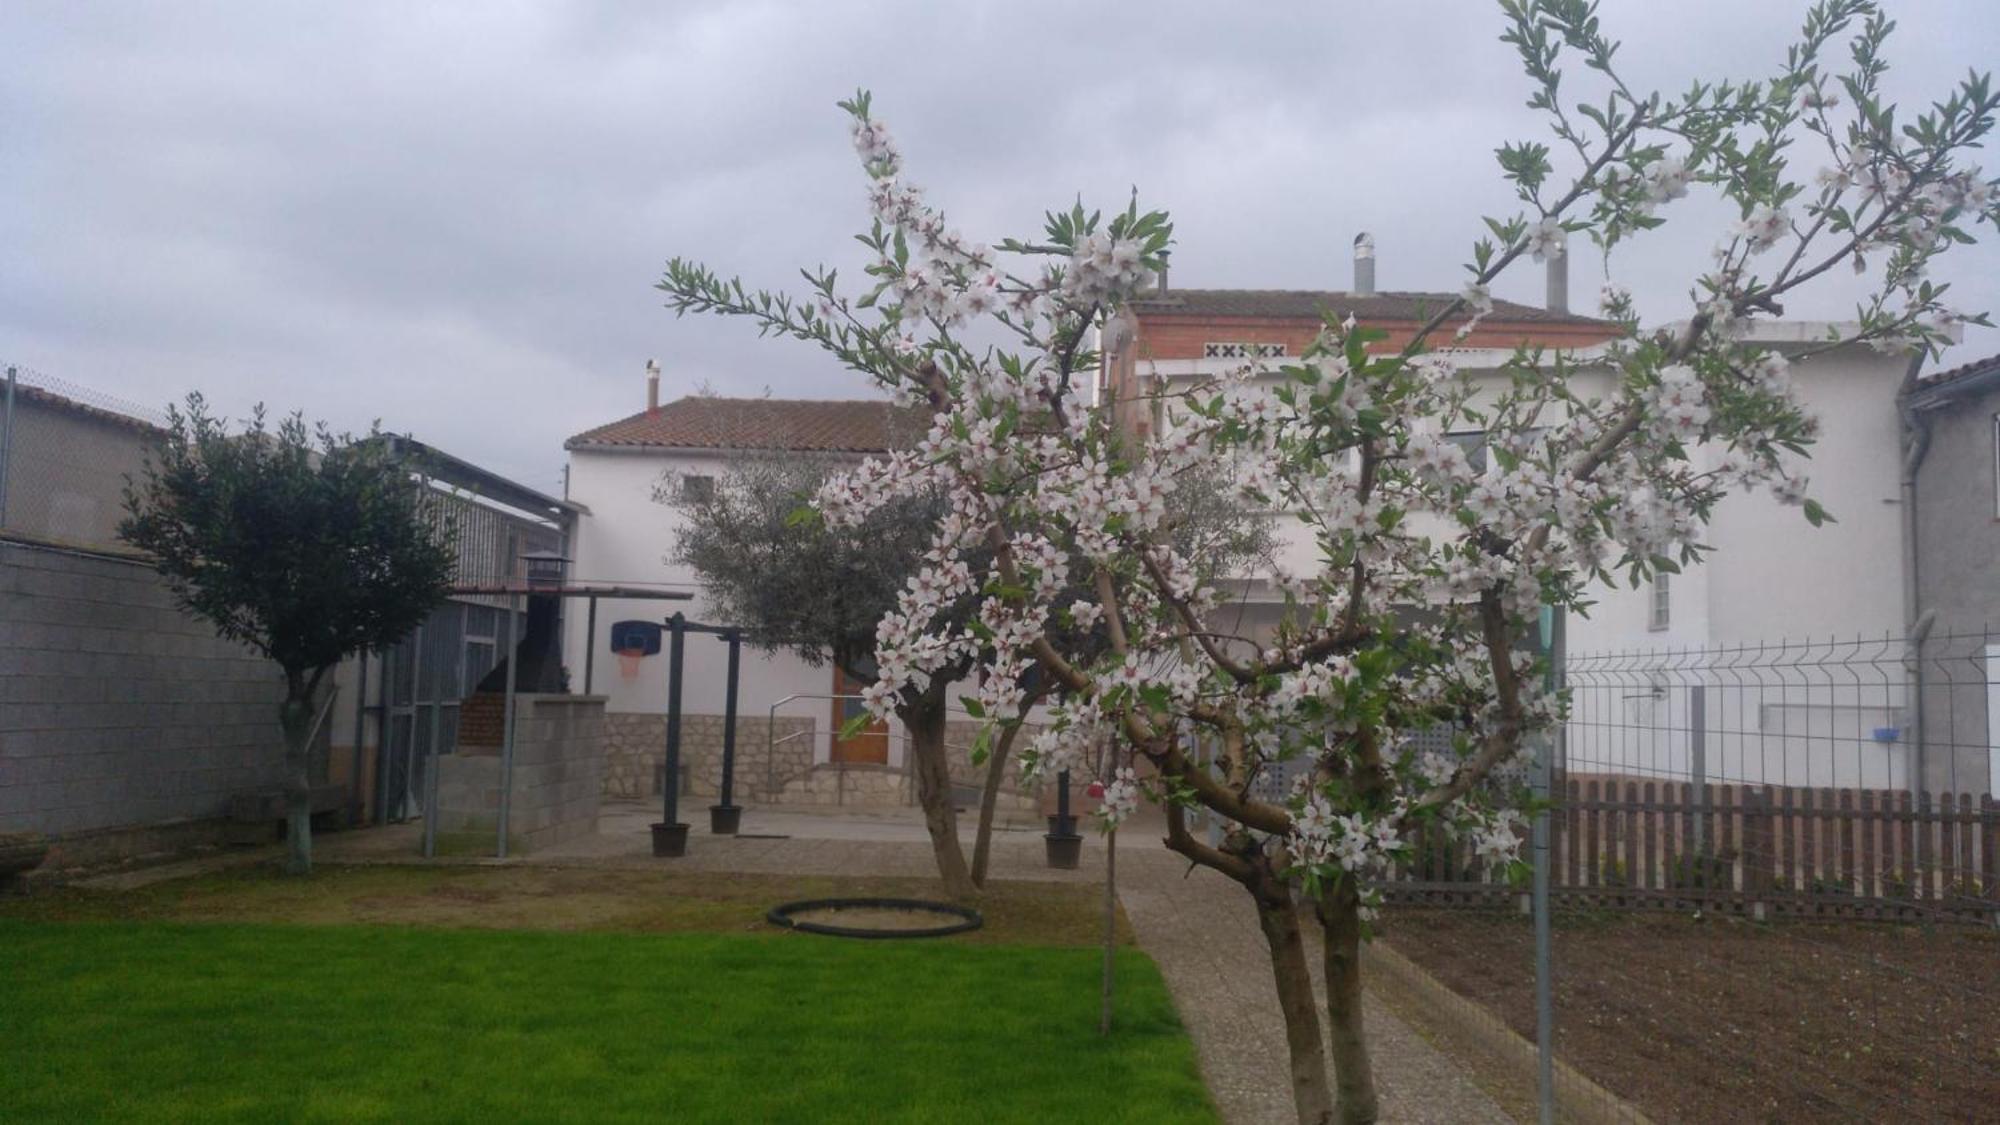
[{"x": 1916, "y": 624}]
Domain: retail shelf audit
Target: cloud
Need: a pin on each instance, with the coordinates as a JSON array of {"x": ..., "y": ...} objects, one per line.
[{"x": 450, "y": 216}]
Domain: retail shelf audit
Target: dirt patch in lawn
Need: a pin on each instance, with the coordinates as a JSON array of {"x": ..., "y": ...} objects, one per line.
[
  {"x": 556, "y": 898},
  {"x": 1724, "y": 1020}
]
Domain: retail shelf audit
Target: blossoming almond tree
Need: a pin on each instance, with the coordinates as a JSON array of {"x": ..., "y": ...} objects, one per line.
[{"x": 1430, "y": 571}]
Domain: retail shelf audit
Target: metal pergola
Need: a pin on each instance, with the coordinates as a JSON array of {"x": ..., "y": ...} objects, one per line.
[{"x": 514, "y": 592}]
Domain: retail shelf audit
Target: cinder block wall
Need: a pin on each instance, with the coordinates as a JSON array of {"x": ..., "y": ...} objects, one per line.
[
  {"x": 116, "y": 709},
  {"x": 558, "y": 774}
]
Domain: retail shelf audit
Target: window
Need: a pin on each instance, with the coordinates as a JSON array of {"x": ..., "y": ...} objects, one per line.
[
  {"x": 1242, "y": 351},
  {"x": 697, "y": 489},
  {"x": 1662, "y": 614},
  {"x": 1474, "y": 444}
]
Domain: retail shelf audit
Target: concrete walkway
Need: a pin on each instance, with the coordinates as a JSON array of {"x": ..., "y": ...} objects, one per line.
[{"x": 1203, "y": 932}]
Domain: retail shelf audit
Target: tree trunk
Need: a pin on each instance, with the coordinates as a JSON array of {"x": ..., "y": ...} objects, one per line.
[
  {"x": 989, "y": 795},
  {"x": 1110, "y": 971},
  {"x": 1279, "y": 916},
  {"x": 925, "y": 722},
  {"x": 296, "y": 716},
  {"x": 989, "y": 801},
  {"x": 1354, "y": 1077}
]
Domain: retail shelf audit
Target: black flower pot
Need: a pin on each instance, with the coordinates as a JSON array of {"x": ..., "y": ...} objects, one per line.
[
  {"x": 670, "y": 839},
  {"x": 724, "y": 820},
  {"x": 1065, "y": 850}
]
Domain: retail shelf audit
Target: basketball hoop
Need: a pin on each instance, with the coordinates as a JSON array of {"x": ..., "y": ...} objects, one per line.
[{"x": 628, "y": 662}]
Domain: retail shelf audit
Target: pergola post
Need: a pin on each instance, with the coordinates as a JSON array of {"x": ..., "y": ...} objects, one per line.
[
  {"x": 670, "y": 835},
  {"x": 590, "y": 648},
  {"x": 725, "y": 818}
]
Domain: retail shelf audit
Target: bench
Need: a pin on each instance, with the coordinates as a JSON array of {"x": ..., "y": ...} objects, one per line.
[{"x": 259, "y": 818}]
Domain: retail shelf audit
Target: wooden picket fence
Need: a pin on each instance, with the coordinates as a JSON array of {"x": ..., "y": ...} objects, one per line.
[{"x": 1761, "y": 850}]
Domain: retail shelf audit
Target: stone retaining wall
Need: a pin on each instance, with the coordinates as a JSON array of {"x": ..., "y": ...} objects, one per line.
[{"x": 635, "y": 744}]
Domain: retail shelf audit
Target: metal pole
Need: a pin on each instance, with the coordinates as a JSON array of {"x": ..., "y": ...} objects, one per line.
[
  {"x": 771, "y": 752},
  {"x": 1545, "y": 1050},
  {"x": 410, "y": 742},
  {"x": 360, "y": 734},
  {"x": 1698, "y": 766},
  {"x": 431, "y": 773},
  {"x": 383, "y": 728},
  {"x": 590, "y": 648},
  {"x": 507, "y": 731},
  {"x": 670, "y": 783},
  {"x": 7, "y": 442},
  {"x": 735, "y": 639}
]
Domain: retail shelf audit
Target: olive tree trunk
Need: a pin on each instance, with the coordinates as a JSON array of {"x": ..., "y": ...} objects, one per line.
[
  {"x": 296, "y": 716},
  {"x": 1353, "y": 1075},
  {"x": 925, "y": 721}
]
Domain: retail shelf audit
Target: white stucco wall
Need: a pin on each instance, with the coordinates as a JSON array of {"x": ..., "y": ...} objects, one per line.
[
  {"x": 1775, "y": 575},
  {"x": 627, "y": 539},
  {"x": 1772, "y": 574}
]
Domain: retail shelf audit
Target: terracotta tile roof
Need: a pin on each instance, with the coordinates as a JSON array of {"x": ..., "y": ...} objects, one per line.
[
  {"x": 806, "y": 425},
  {"x": 1962, "y": 371},
  {"x": 1308, "y": 304}
]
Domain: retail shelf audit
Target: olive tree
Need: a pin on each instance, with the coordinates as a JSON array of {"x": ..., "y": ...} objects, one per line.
[
  {"x": 821, "y": 592},
  {"x": 305, "y": 545}
]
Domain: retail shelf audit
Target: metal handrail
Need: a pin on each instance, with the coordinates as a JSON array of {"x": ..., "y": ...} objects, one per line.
[{"x": 771, "y": 739}]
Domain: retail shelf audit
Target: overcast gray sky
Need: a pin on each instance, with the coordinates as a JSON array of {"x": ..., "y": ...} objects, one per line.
[{"x": 450, "y": 217}]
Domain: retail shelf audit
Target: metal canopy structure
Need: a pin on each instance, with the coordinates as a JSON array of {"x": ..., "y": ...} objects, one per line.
[
  {"x": 670, "y": 834},
  {"x": 440, "y": 467},
  {"x": 592, "y": 593},
  {"x": 514, "y": 591}
]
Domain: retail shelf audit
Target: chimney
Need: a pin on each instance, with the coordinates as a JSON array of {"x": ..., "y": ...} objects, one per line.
[
  {"x": 1364, "y": 265},
  {"x": 1163, "y": 280},
  {"x": 652, "y": 387},
  {"x": 1558, "y": 301}
]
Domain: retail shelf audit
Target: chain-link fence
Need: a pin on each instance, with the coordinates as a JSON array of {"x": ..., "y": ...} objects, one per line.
[{"x": 1774, "y": 886}]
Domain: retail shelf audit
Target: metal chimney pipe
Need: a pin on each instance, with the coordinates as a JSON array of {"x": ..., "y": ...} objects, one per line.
[
  {"x": 1558, "y": 301},
  {"x": 1364, "y": 264},
  {"x": 652, "y": 387}
]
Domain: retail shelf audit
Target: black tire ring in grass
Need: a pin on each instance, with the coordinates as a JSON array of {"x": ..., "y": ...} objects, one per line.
[{"x": 967, "y": 918}]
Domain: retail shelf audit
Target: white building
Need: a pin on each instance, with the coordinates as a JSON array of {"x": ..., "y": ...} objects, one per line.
[
  {"x": 626, "y": 534},
  {"x": 1772, "y": 578},
  {"x": 1776, "y": 713}
]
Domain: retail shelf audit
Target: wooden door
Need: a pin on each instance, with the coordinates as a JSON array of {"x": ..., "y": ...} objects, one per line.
[{"x": 871, "y": 743}]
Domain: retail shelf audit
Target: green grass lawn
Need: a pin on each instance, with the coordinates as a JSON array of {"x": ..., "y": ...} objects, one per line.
[{"x": 171, "y": 1021}]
